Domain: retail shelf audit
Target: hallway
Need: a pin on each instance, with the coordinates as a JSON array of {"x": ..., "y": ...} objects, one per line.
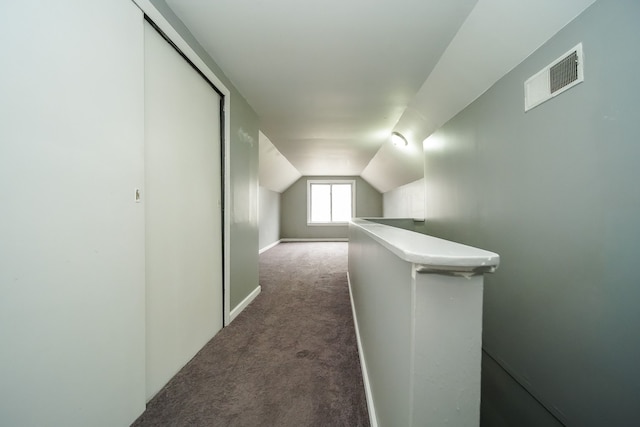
[{"x": 289, "y": 359}]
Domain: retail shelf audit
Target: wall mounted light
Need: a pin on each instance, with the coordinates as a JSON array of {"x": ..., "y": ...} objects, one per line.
[{"x": 398, "y": 140}]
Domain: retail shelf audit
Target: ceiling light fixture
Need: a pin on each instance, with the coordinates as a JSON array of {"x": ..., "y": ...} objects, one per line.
[{"x": 398, "y": 140}]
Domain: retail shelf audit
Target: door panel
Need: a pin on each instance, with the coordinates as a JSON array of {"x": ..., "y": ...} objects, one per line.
[{"x": 183, "y": 215}]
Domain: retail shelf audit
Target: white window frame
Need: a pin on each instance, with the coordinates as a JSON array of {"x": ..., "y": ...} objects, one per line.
[{"x": 310, "y": 182}]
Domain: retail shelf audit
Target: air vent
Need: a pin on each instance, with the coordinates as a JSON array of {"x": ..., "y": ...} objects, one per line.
[{"x": 562, "y": 74}]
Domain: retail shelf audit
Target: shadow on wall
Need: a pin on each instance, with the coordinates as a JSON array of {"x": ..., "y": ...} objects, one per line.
[
  {"x": 505, "y": 403},
  {"x": 417, "y": 225}
]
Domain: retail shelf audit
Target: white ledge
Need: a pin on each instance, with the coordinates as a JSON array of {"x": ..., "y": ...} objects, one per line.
[{"x": 431, "y": 253}]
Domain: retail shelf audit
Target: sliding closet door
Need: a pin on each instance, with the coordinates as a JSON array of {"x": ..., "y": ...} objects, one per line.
[{"x": 183, "y": 215}]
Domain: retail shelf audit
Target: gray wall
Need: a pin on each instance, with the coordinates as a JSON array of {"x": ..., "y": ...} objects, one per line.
[
  {"x": 269, "y": 217},
  {"x": 555, "y": 192},
  {"x": 244, "y": 175},
  {"x": 244, "y": 200},
  {"x": 293, "y": 217}
]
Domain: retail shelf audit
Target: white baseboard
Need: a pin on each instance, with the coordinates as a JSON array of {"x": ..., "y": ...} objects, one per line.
[
  {"x": 266, "y": 248},
  {"x": 373, "y": 419},
  {"x": 311, "y": 239},
  {"x": 245, "y": 302}
]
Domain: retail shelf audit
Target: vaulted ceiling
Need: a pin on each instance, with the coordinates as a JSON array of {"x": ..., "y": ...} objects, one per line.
[{"x": 331, "y": 80}]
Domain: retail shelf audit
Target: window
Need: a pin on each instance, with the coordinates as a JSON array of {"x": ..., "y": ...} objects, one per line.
[{"x": 330, "y": 202}]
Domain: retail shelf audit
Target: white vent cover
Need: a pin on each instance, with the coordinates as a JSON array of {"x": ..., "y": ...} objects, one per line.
[{"x": 562, "y": 74}]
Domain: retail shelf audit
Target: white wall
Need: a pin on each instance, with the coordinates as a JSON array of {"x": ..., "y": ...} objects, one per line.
[
  {"x": 382, "y": 310},
  {"x": 406, "y": 201},
  {"x": 71, "y": 235},
  {"x": 269, "y": 217},
  {"x": 419, "y": 330}
]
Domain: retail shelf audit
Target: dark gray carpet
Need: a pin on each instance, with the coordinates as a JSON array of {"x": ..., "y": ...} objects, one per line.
[{"x": 289, "y": 359}]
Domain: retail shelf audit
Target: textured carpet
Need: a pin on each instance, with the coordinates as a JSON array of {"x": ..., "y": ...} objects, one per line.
[{"x": 289, "y": 359}]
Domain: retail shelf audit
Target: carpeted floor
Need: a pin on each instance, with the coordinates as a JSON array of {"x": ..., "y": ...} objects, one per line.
[{"x": 289, "y": 359}]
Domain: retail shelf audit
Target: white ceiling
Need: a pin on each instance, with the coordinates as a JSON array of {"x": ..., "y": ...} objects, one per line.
[{"x": 330, "y": 80}]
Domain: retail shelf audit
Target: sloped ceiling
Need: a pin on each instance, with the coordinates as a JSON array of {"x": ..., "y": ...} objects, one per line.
[
  {"x": 497, "y": 36},
  {"x": 331, "y": 80},
  {"x": 272, "y": 160}
]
